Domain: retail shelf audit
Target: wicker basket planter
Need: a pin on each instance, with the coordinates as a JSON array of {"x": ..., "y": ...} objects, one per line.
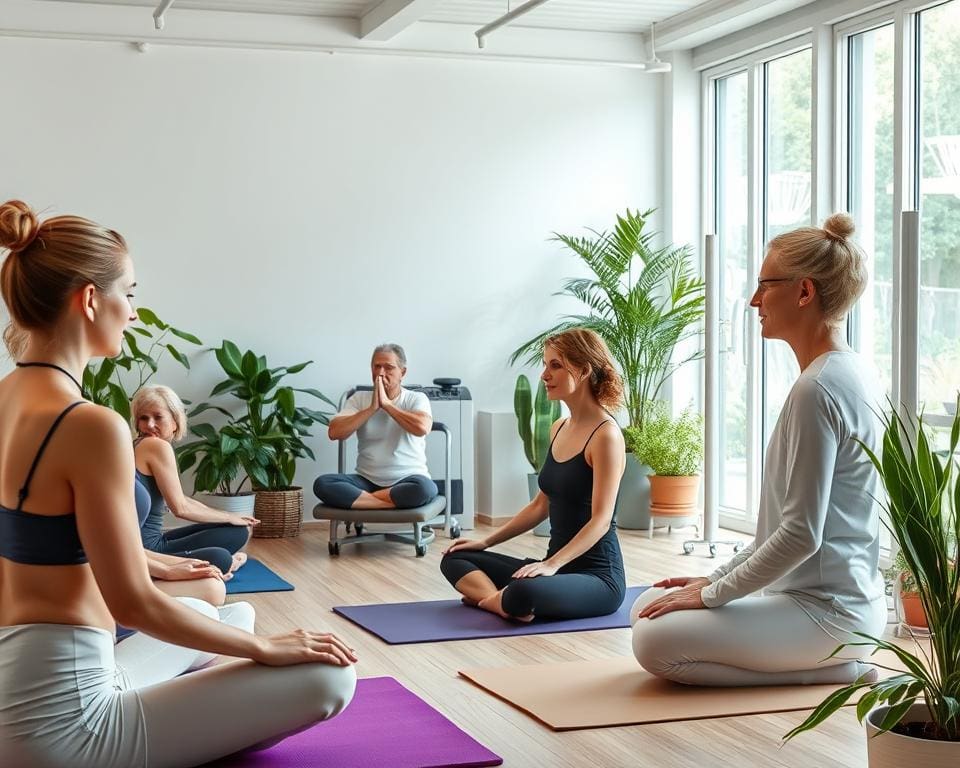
[{"x": 280, "y": 513}]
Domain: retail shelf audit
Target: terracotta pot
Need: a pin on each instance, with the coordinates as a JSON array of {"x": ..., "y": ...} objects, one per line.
[
  {"x": 913, "y": 613},
  {"x": 891, "y": 750},
  {"x": 673, "y": 496}
]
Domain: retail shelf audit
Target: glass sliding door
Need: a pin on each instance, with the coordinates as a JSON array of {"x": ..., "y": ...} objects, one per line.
[
  {"x": 938, "y": 168},
  {"x": 733, "y": 241},
  {"x": 787, "y": 159}
]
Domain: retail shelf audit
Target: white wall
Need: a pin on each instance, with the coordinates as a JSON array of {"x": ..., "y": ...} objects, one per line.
[{"x": 310, "y": 205}]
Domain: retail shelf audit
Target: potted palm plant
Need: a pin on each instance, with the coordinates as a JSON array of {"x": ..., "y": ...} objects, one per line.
[
  {"x": 643, "y": 301},
  {"x": 914, "y": 716},
  {"x": 673, "y": 449},
  {"x": 535, "y": 416},
  {"x": 270, "y": 434},
  {"x": 220, "y": 457}
]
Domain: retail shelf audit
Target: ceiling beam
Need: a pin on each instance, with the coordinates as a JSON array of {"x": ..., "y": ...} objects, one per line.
[{"x": 390, "y": 17}]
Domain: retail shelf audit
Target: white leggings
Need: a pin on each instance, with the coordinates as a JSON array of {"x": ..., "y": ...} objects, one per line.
[
  {"x": 69, "y": 697},
  {"x": 767, "y": 640}
]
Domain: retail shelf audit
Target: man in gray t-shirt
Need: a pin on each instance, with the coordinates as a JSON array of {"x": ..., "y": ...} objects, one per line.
[{"x": 391, "y": 425}]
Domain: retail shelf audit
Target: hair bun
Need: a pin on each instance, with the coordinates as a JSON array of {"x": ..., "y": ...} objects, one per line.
[
  {"x": 839, "y": 226},
  {"x": 18, "y": 225}
]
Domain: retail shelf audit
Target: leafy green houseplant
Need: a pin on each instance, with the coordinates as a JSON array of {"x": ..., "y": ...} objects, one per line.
[
  {"x": 673, "y": 449},
  {"x": 670, "y": 447},
  {"x": 535, "y": 416},
  {"x": 642, "y": 300},
  {"x": 144, "y": 344},
  {"x": 265, "y": 440},
  {"x": 922, "y": 509}
]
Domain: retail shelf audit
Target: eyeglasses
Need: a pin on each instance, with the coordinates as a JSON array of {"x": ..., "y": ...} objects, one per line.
[{"x": 762, "y": 282}]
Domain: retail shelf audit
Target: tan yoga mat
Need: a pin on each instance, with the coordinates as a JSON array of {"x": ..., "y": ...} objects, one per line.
[{"x": 610, "y": 692}]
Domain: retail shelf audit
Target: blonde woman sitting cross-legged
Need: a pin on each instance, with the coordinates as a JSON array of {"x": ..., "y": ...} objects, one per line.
[{"x": 780, "y": 607}]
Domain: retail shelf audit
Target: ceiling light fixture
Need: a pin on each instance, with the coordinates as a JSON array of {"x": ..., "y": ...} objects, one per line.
[
  {"x": 506, "y": 19},
  {"x": 653, "y": 65}
]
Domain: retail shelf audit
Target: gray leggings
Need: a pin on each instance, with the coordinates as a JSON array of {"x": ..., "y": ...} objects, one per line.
[
  {"x": 767, "y": 640},
  {"x": 67, "y": 698}
]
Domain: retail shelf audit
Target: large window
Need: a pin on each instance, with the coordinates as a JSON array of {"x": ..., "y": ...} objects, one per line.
[
  {"x": 761, "y": 130},
  {"x": 890, "y": 144},
  {"x": 938, "y": 168}
]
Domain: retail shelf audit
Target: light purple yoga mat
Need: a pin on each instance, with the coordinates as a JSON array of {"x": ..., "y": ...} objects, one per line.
[
  {"x": 434, "y": 621},
  {"x": 385, "y": 726}
]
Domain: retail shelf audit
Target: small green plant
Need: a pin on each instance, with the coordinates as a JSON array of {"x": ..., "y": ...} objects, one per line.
[
  {"x": 923, "y": 516},
  {"x": 534, "y": 419},
  {"x": 103, "y": 383},
  {"x": 267, "y": 439},
  {"x": 670, "y": 447}
]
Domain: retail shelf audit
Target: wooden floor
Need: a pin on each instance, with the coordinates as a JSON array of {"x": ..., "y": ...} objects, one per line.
[{"x": 388, "y": 572}]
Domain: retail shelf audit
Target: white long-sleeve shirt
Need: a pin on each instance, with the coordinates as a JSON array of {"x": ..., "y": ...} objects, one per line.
[{"x": 818, "y": 525}]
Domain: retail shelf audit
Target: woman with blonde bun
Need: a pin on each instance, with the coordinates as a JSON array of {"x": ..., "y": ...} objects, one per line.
[
  {"x": 71, "y": 564},
  {"x": 781, "y": 606},
  {"x": 215, "y": 536},
  {"x": 582, "y": 574}
]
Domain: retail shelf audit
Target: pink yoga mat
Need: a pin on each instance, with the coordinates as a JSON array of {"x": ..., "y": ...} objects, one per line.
[{"x": 385, "y": 726}]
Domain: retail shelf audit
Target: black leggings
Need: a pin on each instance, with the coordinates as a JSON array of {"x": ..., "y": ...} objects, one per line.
[
  {"x": 341, "y": 491},
  {"x": 213, "y": 542},
  {"x": 563, "y": 596}
]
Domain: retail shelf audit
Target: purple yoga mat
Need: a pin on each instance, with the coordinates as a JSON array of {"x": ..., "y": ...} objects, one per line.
[
  {"x": 385, "y": 726},
  {"x": 439, "y": 620}
]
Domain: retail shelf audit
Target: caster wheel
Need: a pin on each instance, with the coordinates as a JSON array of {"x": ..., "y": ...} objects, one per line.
[
  {"x": 358, "y": 527},
  {"x": 713, "y": 550},
  {"x": 346, "y": 526},
  {"x": 737, "y": 547},
  {"x": 421, "y": 550},
  {"x": 455, "y": 531},
  {"x": 333, "y": 548},
  {"x": 688, "y": 549}
]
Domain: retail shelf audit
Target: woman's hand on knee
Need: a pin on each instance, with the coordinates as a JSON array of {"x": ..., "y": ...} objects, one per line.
[
  {"x": 465, "y": 545},
  {"x": 189, "y": 569},
  {"x": 685, "y": 598},
  {"x": 303, "y": 647},
  {"x": 682, "y": 581},
  {"x": 530, "y": 570}
]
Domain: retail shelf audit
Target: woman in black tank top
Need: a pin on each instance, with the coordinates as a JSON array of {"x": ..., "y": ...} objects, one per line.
[{"x": 582, "y": 574}]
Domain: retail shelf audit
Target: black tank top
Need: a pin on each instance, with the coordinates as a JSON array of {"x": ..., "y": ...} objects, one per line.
[
  {"x": 40, "y": 539},
  {"x": 568, "y": 486}
]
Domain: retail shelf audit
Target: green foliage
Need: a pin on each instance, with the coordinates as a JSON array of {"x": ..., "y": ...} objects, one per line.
[
  {"x": 267, "y": 439},
  {"x": 670, "y": 447},
  {"x": 534, "y": 420},
  {"x": 923, "y": 514},
  {"x": 642, "y": 301},
  {"x": 144, "y": 344}
]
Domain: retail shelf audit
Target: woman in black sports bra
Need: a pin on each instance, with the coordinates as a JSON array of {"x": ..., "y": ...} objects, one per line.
[
  {"x": 582, "y": 573},
  {"x": 71, "y": 564}
]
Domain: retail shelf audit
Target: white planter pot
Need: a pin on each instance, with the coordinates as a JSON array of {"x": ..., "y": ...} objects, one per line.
[
  {"x": 891, "y": 750},
  {"x": 238, "y": 505}
]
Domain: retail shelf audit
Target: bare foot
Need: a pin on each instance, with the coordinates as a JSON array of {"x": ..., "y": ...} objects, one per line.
[
  {"x": 238, "y": 560},
  {"x": 494, "y": 605}
]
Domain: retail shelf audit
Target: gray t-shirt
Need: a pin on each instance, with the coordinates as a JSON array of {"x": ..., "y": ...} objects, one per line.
[
  {"x": 818, "y": 525},
  {"x": 387, "y": 452}
]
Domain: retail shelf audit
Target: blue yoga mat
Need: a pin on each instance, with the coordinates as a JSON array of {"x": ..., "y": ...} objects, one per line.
[
  {"x": 254, "y": 576},
  {"x": 441, "y": 620}
]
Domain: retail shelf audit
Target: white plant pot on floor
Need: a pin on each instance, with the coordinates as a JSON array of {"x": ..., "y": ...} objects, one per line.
[
  {"x": 237, "y": 505},
  {"x": 892, "y": 750}
]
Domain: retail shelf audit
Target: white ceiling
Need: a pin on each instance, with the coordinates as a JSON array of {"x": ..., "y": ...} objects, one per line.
[{"x": 585, "y": 15}]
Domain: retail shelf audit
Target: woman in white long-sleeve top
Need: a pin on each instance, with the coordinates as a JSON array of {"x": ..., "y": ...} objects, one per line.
[{"x": 774, "y": 613}]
